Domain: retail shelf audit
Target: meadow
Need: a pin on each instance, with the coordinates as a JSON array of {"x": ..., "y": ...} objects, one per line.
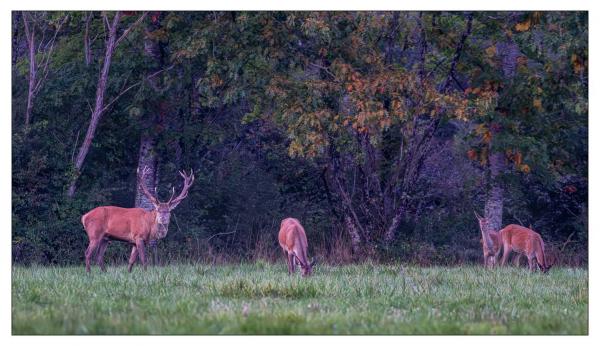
[{"x": 260, "y": 298}]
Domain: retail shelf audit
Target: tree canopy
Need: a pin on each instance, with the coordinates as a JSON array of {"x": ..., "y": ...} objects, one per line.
[{"x": 380, "y": 131}]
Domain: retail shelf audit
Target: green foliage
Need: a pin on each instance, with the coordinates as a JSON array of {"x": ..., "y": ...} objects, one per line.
[{"x": 267, "y": 107}]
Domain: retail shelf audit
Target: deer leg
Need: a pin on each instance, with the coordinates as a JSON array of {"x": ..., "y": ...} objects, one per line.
[
  {"x": 142, "y": 253},
  {"x": 89, "y": 252},
  {"x": 287, "y": 260},
  {"x": 492, "y": 261},
  {"x": 132, "y": 258},
  {"x": 292, "y": 265},
  {"x": 517, "y": 260},
  {"x": 100, "y": 254},
  {"x": 505, "y": 254},
  {"x": 531, "y": 264}
]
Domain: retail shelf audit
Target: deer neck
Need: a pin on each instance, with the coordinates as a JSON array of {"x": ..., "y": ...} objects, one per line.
[
  {"x": 487, "y": 238},
  {"x": 158, "y": 230}
]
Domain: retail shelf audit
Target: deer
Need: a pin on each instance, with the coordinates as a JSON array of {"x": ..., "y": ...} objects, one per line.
[
  {"x": 292, "y": 239},
  {"x": 135, "y": 226},
  {"x": 489, "y": 241},
  {"x": 520, "y": 239}
]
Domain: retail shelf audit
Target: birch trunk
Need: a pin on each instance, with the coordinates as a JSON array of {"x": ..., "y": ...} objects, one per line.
[
  {"x": 99, "y": 105},
  {"x": 87, "y": 52},
  {"x": 147, "y": 158},
  {"x": 30, "y": 34},
  {"x": 495, "y": 200}
]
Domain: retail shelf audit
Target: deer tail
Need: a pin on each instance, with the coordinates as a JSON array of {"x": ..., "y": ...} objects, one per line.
[
  {"x": 543, "y": 254},
  {"x": 83, "y": 219}
]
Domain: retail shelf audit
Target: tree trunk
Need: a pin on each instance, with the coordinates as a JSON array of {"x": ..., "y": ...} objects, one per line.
[
  {"x": 87, "y": 52},
  {"x": 147, "y": 158},
  {"x": 354, "y": 234},
  {"x": 390, "y": 233},
  {"x": 155, "y": 105},
  {"x": 30, "y": 33},
  {"x": 509, "y": 52},
  {"x": 99, "y": 106},
  {"x": 495, "y": 199}
]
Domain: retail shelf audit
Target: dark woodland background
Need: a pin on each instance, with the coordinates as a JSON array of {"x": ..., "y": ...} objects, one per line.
[{"x": 380, "y": 131}]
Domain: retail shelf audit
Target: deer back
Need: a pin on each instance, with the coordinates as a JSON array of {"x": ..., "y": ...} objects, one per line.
[
  {"x": 292, "y": 238},
  {"x": 126, "y": 224},
  {"x": 520, "y": 238}
]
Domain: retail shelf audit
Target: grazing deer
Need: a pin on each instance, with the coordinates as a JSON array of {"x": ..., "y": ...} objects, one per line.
[
  {"x": 132, "y": 225},
  {"x": 292, "y": 239},
  {"x": 522, "y": 240}
]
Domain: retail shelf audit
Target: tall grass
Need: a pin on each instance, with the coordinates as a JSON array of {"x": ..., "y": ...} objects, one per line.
[{"x": 261, "y": 298}]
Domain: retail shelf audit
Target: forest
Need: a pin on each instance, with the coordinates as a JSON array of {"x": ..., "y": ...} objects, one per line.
[{"x": 382, "y": 132}]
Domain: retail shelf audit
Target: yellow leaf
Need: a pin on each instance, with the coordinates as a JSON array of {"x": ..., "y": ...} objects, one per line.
[
  {"x": 524, "y": 26},
  {"x": 577, "y": 62},
  {"x": 537, "y": 103},
  {"x": 490, "y": 51}
]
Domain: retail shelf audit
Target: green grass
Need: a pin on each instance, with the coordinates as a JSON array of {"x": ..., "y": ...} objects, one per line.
[{"x": 262, "y": 299}]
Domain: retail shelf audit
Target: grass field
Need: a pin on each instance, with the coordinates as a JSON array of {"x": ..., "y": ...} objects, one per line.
[{"x": 262, "y": 299}]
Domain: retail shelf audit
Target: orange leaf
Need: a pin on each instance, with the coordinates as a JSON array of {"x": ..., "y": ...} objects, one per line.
[
  {"x": 524, "y": 26},
  {"x": 518, "y": 158},
  {"x": 487, "y": 137}
]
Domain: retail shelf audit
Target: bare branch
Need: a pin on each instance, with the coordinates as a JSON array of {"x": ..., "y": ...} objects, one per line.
[
  {"x": 457, "y": 53},
  {"x": 131, "y": 27},
  {"x": 48, "y": 54},
  {"x": 133, "y": 86},
  {"x": 326, "y": 70}
]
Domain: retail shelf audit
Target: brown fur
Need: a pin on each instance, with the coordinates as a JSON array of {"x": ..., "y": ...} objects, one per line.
[
  {"x": 132, "y": 225},
  {"x": 292, "y": 239},
  {"x": 523, "y": 240},
  {"x": 489, "y": 241}
]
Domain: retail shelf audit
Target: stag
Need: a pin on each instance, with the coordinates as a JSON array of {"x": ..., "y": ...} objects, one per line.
[{"x": 135, "y": 226}]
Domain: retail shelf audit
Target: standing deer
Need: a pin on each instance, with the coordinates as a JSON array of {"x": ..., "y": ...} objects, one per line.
[
  {"x": 489, "y": 241},
  {"x": 521, "y": 240},
  {"x": 132, "y": 225},
  {"x": 292, "y": 239}
]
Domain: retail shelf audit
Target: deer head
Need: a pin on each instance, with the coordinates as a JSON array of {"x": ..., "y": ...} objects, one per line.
[
  {"x": 483, "y": 222},
  {"x": 163, "y": 209}
]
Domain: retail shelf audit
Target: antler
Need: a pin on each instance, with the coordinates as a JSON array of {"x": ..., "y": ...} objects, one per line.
[
  {"x": 477, "y": 215},
  {"x": 152, "y": 199},
  {"x": 187, "y": 182}
]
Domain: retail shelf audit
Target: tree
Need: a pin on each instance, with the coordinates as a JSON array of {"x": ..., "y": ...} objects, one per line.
[
  {"x": 112, "y": 41},
  {"x": 42, "y": 51}
]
